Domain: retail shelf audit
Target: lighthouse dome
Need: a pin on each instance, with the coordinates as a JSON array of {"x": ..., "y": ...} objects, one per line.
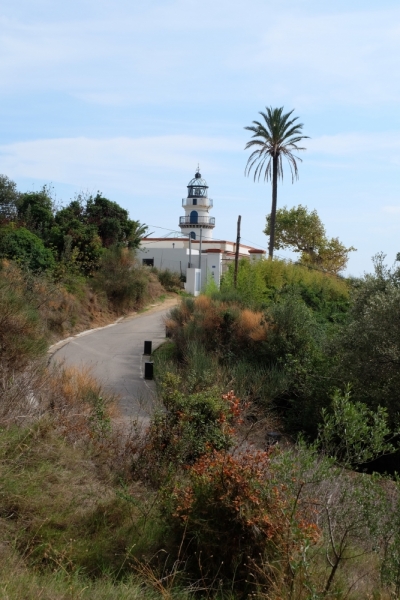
[{"x": 197, "y": 186}]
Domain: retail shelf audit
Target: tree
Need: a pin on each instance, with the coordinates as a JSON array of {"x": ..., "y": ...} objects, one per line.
[
  {"x": 71, "y": 235},
  {"x": 278, "y": 136},
  {"x": 369, "y": 343},
  {"x": 302, "y": 231},
  {"x": 36, "y": 211},
  {"x": 9, "y": 197},
  {"x": 112, "y": 222},
  {"x": 90, "y": 224}
]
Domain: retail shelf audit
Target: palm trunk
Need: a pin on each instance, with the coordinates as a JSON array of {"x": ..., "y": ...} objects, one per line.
[{"x": 275, "y": 159}]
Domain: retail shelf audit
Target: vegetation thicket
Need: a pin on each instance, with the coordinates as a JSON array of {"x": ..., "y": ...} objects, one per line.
[
  {"x": 288, "y": 335},
  {"x": 79, "y": 258}
]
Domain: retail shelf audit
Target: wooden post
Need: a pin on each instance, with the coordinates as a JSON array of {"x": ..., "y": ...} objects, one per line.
[{"x": 237, "y": 252}]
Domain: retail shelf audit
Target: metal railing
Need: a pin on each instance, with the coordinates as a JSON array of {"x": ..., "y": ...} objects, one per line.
[
  {"x": 197, "y": 202},
  {"x": 192, "y": 220}
]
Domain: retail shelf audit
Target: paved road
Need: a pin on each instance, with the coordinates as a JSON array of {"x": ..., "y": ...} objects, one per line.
[{"x": 115, "y": 355}]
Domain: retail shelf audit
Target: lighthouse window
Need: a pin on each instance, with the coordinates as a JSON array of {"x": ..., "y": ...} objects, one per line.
[
  {"x": 194, "y": 200},
  {"x": 193, "y": 235}
]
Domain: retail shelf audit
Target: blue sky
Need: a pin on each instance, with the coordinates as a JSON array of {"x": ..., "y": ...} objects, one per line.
[{"x": 127, "y": 97}]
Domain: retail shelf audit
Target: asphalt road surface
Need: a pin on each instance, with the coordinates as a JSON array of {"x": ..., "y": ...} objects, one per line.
[{"x": 115, "y": 356}]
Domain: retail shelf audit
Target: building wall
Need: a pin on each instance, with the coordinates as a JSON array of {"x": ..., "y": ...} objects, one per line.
[
  {"x": 174, "y": 259},
  {"x": 173, "y": 254}
]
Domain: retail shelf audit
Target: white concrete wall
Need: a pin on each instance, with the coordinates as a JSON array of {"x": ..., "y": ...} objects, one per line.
[
  {"x": 213, "y": 267},
  {"x": 174, "y": 259},
  {"x": 173, "y": 254},
  {"x": 193, "y": 281}
]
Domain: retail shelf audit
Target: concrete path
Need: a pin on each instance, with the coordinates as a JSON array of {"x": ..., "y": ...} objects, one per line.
[{"x": 115, "y": 355}]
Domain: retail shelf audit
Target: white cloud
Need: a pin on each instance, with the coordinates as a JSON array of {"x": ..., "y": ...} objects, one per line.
[
  {"x": 393, "y": 210},
  {"x": 185, "y": 49},
  {"x": 116, "y": 161},
  {"x": 343, "y": 56},
  {"x": 354, "y": 144}
]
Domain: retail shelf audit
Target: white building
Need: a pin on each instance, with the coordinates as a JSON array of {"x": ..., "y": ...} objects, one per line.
[{"x": 195, "y": 255}]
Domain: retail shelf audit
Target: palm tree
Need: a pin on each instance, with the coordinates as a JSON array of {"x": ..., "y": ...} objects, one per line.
[{"x": 277, "y": 137}]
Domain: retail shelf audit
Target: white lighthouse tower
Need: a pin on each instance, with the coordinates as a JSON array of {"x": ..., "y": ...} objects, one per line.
[{"x": 197, "y": 222}]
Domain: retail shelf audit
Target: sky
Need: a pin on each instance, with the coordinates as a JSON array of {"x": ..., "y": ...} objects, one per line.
[{"x": 129, "y": 97}]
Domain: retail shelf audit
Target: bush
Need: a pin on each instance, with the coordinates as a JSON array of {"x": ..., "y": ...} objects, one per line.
[
  {"x": 192, "y": 425},
  {"x": 119, "y": 277},
  {"x": 263, "y": 282},
  {"x": 370, "y": 350},
  {"x": 170, "y": 281},
  {"x": 218, "y": 326},
  {"x": 231, "y": 521},
  {"x": 22, "y": 332},
  {"x": 26, "y": 248}
]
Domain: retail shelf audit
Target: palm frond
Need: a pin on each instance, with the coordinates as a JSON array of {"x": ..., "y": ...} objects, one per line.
[{"x": 277, "y": 136}]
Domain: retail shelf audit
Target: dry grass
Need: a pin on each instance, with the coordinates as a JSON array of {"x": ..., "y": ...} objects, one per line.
[
  {"x": 71, "y": 389},
  {"x": 80, "y": 411},
  {"x": 155, "y": 289},
  {"x": 203, "y": 303},
  {"x": 252, "y": 325}
]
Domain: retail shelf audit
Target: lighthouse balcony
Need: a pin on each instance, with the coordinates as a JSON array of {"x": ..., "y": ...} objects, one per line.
[
  {"x": 207, "y": 202},
  {"x": 196, "y": 221}
]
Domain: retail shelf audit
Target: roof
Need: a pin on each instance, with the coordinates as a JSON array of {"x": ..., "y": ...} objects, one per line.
[
  {"x": 197, "y": 181},
  {"x": 183, "y": 239}
]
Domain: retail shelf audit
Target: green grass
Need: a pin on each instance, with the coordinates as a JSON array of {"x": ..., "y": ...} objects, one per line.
[
  {"x": 19, "y": 583},
  {"x": 58, "y": 513}
]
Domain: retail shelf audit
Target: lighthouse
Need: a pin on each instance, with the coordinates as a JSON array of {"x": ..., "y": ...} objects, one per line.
[
  {"x": 197, "y": 205},
  {"x": 194, "y": 255}
]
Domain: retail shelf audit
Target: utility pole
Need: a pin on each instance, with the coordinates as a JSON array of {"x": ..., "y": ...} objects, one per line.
[
  {"x": 190, "y": 251},
  {"x": 237, "y": 251}
]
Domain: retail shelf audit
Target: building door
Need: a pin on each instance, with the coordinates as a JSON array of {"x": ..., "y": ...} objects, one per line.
[{"x": 194, "y": 216}]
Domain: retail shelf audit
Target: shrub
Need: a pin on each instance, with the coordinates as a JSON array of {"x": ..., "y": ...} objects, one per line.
[
  {"x": 192, "y": 425},
  {"x": 218, "y": 326},
  {"x": 22, "y": 333},
  {"x": 119, "y": 277},
  {"x": 26, "y": 248},
  {"x": 263, "y": 282},
  {"x": 232, "y": 522},
  {"x": 169, "y": 280},
  {"x": 370, "y": 349}
]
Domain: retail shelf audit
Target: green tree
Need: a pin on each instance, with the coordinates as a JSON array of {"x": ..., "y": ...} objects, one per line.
[
  {"x": 369, "y": 346},
  {"x": 9, "y": 198},
  {"x": 278, "y": 136},
  {"x": 71, "y": 235},
  {"x": 87, "y": 226},
  {"x": 36, "y": 211},
  {"x": 112, "y": 222},
  {"x": 302, "y": 231}
]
